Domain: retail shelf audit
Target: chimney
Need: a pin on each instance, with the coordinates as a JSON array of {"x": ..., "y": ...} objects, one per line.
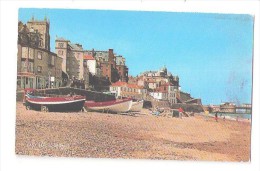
[
  {"x": 110, "y": 54},
  {"x": 93, "y": 51}
]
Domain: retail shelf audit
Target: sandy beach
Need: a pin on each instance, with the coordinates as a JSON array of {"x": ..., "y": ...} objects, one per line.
[{"x": 143, "y": 136}]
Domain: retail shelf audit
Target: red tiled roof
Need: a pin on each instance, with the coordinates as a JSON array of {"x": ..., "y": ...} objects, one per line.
[
  {"x": 134, "y": 86},
  {"x": 88, "y": 57},
  {"x": 119, "y": 83}
]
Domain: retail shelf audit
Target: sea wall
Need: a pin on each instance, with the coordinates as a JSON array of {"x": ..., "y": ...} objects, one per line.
[
  {"x": 90, "y": 95},
  {"x": 188, "y": 107}
]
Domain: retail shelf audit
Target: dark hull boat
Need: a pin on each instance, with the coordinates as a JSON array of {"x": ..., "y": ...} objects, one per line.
[{"x": 55, "y": 104}]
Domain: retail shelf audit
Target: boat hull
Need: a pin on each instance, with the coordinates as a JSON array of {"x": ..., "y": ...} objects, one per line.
[
  {"x": 110, "y": 106},
  {"x": 137, "y": 106},
  {"x": 66, "y": 104}
]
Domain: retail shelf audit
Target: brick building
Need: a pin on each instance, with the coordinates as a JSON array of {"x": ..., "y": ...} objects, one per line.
[
  {"x": 166, "y": 92},
  {"x": 111, "y": 66},
  {"x": 154, "y": 79}
]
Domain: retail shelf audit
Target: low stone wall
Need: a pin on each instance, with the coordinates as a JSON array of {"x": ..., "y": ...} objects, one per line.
[
  {"x": 160, "y": 104},
  {"x": 188, "y": 107}
]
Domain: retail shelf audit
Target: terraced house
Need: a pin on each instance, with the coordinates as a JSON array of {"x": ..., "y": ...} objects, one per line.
[
  {"x": 123, "y": 89},
  {"x": 37, "y": 66}
]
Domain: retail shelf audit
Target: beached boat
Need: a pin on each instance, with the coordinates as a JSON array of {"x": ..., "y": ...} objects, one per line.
[
  {"x": 115, "y": 106},
  {"x": 137, "y": 106},
  {"x": 54, "y": 104}
]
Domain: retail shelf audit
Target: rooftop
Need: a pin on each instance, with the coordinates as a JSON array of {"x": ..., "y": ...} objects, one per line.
[{"x": 88, "y": 57}]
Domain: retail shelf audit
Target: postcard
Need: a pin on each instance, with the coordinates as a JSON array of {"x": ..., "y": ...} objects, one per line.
[{"x": 134, "y": 84}]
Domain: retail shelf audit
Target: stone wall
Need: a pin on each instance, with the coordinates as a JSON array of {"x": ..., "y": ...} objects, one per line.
[{"x": 188, "y": 107}]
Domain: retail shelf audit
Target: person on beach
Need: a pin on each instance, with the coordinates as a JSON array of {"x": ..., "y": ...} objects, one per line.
[
  {"x": 216, "y": 116},
  {"x": 180, "y": 112}
]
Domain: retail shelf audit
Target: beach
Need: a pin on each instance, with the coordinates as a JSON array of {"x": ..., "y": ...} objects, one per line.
[{"x": 142, "y": 136}]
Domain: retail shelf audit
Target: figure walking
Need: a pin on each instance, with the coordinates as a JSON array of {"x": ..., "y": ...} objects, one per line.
[{"x": 216, "y": 116}]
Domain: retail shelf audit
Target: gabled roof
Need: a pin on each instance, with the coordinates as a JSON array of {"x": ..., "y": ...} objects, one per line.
[{"x": 89, "y": 57}]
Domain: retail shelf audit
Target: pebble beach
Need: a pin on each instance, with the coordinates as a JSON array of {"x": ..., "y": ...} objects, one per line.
[{"x": 141, "y": 136}]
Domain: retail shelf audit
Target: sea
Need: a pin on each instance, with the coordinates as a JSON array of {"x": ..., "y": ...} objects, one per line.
[{"x": 234, "y": 115}]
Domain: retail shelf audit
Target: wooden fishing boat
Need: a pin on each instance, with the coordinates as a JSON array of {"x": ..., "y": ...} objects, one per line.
[
  {"x": 114, "y": 106},
  {"x": 54, "y": 104},
  {"x": 137, "y": 106}
]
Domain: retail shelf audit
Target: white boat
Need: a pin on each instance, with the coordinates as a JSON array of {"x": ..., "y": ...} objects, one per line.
[
  {"x": 116, "y": 106},
  {"x": 137, "y": 106}
]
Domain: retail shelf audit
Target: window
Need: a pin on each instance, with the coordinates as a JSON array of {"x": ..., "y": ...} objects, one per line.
[
  {"x": 60, "y": 52},
  {"x": 39, "y": 55},
  {"x": 39, "y": 69},
  {"x": 61, "y": 45},
  {"x": 24, "y": 52},
  {"x": 31, "y": 53}
]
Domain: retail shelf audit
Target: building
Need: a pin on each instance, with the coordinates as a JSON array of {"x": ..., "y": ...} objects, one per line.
[
  {"x": 73, "y": 60},
  {"x": 37, "y": 66},
  {"x": 154, "y": 79},
  {"x": 167, "y": 92},
  {"x": 91, "y": 64},
  {"x": 111, "y": 66},
  {"x": 42, "y": 27},
  {"x": 122, "y": 68},
  {"x": 123, "y": 89}
]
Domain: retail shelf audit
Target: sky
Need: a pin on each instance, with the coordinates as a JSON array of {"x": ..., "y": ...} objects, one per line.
[{"x": 211, "y": 53}]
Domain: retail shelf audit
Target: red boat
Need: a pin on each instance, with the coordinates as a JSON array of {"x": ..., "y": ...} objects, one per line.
[{"x": 54, "y": 104}]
